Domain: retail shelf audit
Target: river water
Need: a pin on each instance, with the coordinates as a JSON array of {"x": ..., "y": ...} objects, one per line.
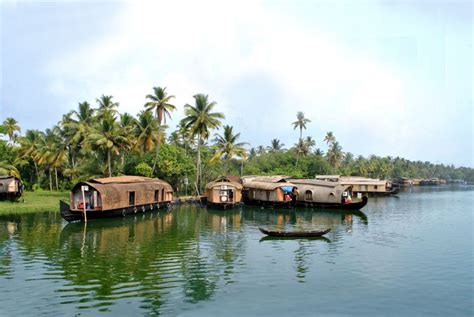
[{"x": 405, "y": 255}]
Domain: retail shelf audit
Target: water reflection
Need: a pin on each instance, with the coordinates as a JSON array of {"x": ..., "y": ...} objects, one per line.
[{"x": 155, "y": 260}]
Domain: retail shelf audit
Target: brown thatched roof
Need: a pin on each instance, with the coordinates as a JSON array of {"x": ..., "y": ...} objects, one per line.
[
  {"x": 224, "y": 180},
  {"x": 266, "y": 179},
  {"x": 314, "y": 182},
  {"x": 122, "y": 179},
  {"x": 266, "y": 185}
]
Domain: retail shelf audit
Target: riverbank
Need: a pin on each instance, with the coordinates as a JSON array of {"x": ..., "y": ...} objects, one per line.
[{"x": 34, "y": 202}]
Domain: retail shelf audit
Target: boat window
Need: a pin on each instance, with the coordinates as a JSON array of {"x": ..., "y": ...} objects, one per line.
[
  {"x": 163, "y": 194},
  {"x": 375, "y": 186},
  {"x": 156, "y": 195},
  {"x": 308, "y": 195},
  {"x": 131, "y": 198},
  {"x": 268, "y": 195}
]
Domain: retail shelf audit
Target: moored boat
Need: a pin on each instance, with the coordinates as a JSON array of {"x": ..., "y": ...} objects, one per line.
[
  {"x": 10, "y": 187},
  {"x": 116, "y": 196},
  {"x": 224, "y": 193},
  {"x": 268, "y": 191},
  {"x": 295, "y": 234},
  {"x": 364, "y": 185},
  {"x": 325, "y": 194}
]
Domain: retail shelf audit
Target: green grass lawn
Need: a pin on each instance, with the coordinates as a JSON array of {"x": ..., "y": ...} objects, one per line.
[{"x": 34, "y": 202}]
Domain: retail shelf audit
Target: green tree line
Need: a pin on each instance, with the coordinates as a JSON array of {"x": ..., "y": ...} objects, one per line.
[{"x": 99, "y": 141}]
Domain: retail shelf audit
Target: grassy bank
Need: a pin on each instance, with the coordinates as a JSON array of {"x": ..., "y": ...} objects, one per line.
[{"x": 34, "y": 202}]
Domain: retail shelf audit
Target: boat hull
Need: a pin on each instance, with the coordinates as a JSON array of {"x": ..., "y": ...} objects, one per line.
[
  {"x": 352, "y": 206},
  {"x": 221, "y": 206},
  {"x": 294, "y": 234},
  {"x": 70, "y": 215}
]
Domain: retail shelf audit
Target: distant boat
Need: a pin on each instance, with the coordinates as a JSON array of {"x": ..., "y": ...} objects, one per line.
[
  {"x": 295, "y": 234},
  {"x": 224, "y": 193},
  {"x": 326, "y": 194},
  {"x": 116, "y": 197},
  {"x": 364, "y": 185}
]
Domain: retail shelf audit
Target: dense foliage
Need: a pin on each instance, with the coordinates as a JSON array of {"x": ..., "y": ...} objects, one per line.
[{"x": 94, "y": 142}]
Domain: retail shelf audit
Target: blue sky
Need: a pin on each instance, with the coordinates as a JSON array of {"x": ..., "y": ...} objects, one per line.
[{"x": 387, "y": 77}]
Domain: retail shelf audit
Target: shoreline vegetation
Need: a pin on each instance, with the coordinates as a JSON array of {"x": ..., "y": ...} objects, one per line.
[
  {"x": 90, "y": 142},
  {"x": 32, "y": 202}
]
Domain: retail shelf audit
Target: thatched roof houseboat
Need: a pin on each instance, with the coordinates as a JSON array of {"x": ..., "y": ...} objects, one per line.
[
  {"x": 10, "y": 187},
  {"x": 268, "y": 190},
  {"x": 325, "y": 194},
  {"x": 363, "y": 185},
  {"x": 116, "y": 196},
  {"x": 225, "y": 192}
]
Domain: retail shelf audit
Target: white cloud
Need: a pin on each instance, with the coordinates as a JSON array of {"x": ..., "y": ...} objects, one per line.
[{"x": 208, "y": 46}]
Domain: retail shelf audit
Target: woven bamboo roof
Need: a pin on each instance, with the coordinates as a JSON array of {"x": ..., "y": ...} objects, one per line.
[
  {"x": 266, "y": 185},
  {"x": 225, "y": 180}
]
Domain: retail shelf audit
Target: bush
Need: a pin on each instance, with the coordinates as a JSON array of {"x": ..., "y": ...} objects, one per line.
[{"x": 143, "y": 169}]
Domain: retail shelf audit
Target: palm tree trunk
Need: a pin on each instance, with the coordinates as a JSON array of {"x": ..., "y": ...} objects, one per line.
[
  {"x": 37, "y": 173},
  {"x": 109, "y": 162},
  {"x": 50, "y": 180},
  {"x": 156, "y": 158},
  {"x": 56, "y": 174},
  {"x": 198, "y": 167}
]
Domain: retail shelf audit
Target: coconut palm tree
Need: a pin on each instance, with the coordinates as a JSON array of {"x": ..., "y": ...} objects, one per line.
[
  {"x": 300, "y": 122},
  {"x": 48, "y": 151},
  {"x": 160, "y": 104},
  {"x": 275, "y": 146},
  {"x": 310, "y": 143},
  {"x": 108, "y": 137},
  {"x": 227, "y": 147},
  {"x": 29, "y": 147},
  {"x": 335, "y": 155},
  {"x": 200, "y": 120},
  {"x": 329, "y": 138},
  {"x": 10, "y": 126},
  {"x": 8, "y": 169},
  {"x": 148, "y": 132},
  {"x": 77, "y": 127},
  {"x": 260, "y": 150},
  {"x": 107, "y": 107}
]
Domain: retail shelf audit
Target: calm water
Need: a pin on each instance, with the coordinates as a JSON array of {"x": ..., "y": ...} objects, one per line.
[{"x": 406, "y": 255}]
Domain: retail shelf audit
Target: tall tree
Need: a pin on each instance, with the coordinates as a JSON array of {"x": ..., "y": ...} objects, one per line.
[
  {"x": 300, "y": 123},
  {"x": 10, "y": 126},
  {"x": 29, "y": 147},
  {"x": 227, "y": 147},
  {"x": 335, "y": 155},
  {"x": 275, "y": 146},
  {"x": 108, "y": 137},
  {"x": 147, "y": 132},
  {"x": 200, "y": 120},
  {"x": 107, "y": 107},
  {"x": 160, "y": 104},
  {"x": 329, "y": 138},
  {"x": 77, "y": 127}
]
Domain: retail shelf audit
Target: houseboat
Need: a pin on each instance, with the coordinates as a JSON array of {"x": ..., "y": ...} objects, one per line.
[
  {"x": 10, "y": 187},
  {"x": 224, "y": 193},
  {"x": 363, "y": 185},
  {"x": 325, "y": 194},
  {"x": 268, "y": 190},
  {"x": 116, "y": 196}
]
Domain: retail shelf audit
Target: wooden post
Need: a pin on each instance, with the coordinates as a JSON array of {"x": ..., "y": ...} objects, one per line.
[{"x": 84, "y": 202}]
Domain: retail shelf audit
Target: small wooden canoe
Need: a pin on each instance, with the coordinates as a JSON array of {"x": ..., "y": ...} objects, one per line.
[{"x": 294, "y": 233}]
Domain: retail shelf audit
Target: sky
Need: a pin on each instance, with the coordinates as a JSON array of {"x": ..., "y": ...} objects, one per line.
[{"x": 390, "y": 78}]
